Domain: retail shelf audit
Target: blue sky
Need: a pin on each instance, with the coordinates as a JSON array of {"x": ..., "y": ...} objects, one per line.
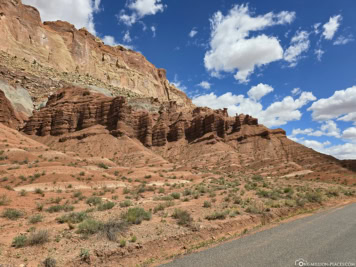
[{"x": 292, "y": 64}]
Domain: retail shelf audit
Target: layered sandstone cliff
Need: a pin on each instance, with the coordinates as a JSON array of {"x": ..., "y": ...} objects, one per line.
[
  {"x": 74, "y": 109},
  {"x": 63, "y": 55}
]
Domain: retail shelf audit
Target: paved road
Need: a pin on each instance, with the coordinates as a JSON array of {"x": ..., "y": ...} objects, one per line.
[{"x": 325, "y": 237}]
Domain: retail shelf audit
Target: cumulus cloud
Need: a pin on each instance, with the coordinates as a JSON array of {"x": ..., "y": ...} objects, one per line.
[
  {"x": 300, "y": 43},
  {"x": 79, "y": 12},
  {"x": 140, "y": 9},
  {"x": 110, "y": 40},
  {"x": 341, "y": 103},
  {"x": 331, "y": 27},
  {"x": 328, "y": 128},
  {"x": 193, "y": 32},
  {"x": 278, "y": 113},
  {"x": 342, "y": 151},
  {"x": 232, "y": 48},
  {"x": 204, "y": 84},
  {"x": 259, "y": 91},
  {"x": 349, "y": 133}
]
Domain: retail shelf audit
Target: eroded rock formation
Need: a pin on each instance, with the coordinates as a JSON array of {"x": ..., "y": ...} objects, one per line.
[
  {"x": 8, "y": 116},
  {"x": 74, "y": 109}
]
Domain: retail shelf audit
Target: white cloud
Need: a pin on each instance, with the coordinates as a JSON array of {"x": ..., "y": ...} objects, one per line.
[
  {"x": 342, "y": 40},
  {"x": 316, "y": 28},
  {"x": 193, "y": 32},
  {"x": 349, "y": 117},
  {"x": 349, "y": 133},
  {"x": 296, "y": 91},
  {"x": 278, "y": 113},
  {"x": 319, "y": 53},
  {"x": 300, "y": 43},
  {"x": 342, "y": 151},
  {"x": 204, "y": 84},
  {"x": 341, "y": 103},
  {"x": 127, "y": 37},
  {"x": 177, "y": 83},
  {"x": 328, "y": 128},
  {"x": 109, "y": 40},
  {"x": 232, "y": 48},
  {"x": 331, "y": 27},
  {"x": 259, "y": 91},
  {"x": 140, "y": 9},
  {"x": 153, "y": 29},
  {"x": 79, "y": 12}
]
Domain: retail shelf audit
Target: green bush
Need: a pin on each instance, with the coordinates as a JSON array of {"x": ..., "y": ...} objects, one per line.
[
  {"x": 35, "y": 218},
  {"x": 106, "y": 206},
  {"x": 103, "y": 166},
  {"x": 217, "y": 215},
  {"x": 12, "y": 214},
  {"x": 19, "y": 241},
  {"x": 73, "y": 217},
  {"x": 89, "y": 227},
  {"x": 58, "y": 208},
  {"x": 49, "y": 262},
  {"x": 314, "y": 197},
  {"x": 4, "y": 200},
  {"x": 175, "y": 195},
  {"x": 183, "y": 217},
  {"x": 207, "y": 204},
  {"x": 136, "y": 215},
  {"x": 94, "y": 200},
  {"x": 125, "y": 203}
]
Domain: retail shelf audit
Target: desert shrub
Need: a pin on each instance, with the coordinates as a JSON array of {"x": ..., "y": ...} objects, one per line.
[
  {"x": 314, "y": 197},
  {"x": 106, "y": 206},
  {"x": 58, "y": 208},
  {"x": 12, "y": 214},
  {"x": 183, "y": 217},
  {"x": 290, "y": 203},
  {"x": 103, "y": 166},
  {"x": 255, "y": 208},
  {"x": 217, "y": 215},
  {"x": 4, "y": 200},
  {"x": 207, "y": 204},
  {"x": 73, "y": 217},
  {"x": 35, "y": 219},
  {"x": 122, "y": 243},
  {"x": 94, "y": 200},
  {"x": 39, "y": 191},
  {"x": 136, "y": 215},
  {"x": 162, "y": 206},
  {"x": 89, "y": 227},
  {"x": 125, "y": 203},
  {"x": 111, "y": 228},
  {"x": 84, "y": 255},
  {"x": 332, "y": 192},
  {"x": 257, "y": 178},
  {"x": 19, "y": 241},
  {"x": 38, "y": 238},
  {"x": 175, "y": 195},
  {"x": 49, "y": 262}
]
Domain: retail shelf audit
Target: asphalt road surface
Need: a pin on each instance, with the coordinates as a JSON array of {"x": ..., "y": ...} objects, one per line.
[{"x": 326, "y": 237}]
